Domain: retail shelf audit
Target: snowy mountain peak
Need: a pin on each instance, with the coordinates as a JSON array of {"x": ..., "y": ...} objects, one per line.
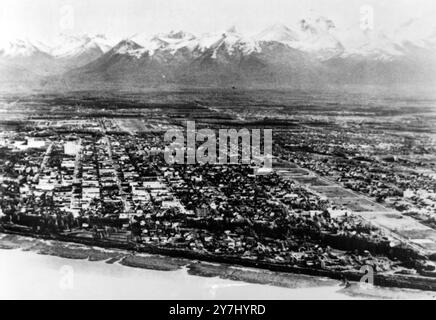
[
  {"x": 230, "y": 41},
  {"x": 316, "y": 37},
  {"x": 316, "y": 26},
  {"x": 171, "y": 41},
  {"x": 325, "y": 23},
  {"x": 129, "y": 47},
  {"x": 231, "y": 29},
  {"x": 416, "y": 32},
  {"x": 19, "y": 48},
  {"x": 180, "y": 35},
  {"x": 67, "y": 46},
  {"x": 172, "y": 38},
  {"x": 277, "y": 32},
  {"x": 127, "y": 44},
  {"x": 373, "y": 44}
]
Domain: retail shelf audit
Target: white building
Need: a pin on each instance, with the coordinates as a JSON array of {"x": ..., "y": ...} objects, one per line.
[{"x": 72, "y": 147}]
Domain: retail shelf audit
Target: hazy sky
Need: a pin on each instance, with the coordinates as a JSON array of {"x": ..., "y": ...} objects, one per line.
[{"x": 44, "y": 19}]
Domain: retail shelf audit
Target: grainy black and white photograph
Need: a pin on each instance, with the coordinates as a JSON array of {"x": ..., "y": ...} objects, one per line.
[{"x": 205, "y": 150}]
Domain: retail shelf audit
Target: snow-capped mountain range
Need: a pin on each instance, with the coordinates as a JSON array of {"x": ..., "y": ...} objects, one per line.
[
  {"x": 313, "y": 49},
  {"x": 319, "y": 37},
  {"x": 175, "y": 41},
  {"x": 19, "y": 48},
  {"x": 70, "y": 46}
]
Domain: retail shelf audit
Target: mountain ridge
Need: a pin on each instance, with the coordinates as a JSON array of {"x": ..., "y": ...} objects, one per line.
[{"x": 313, "y": 53}]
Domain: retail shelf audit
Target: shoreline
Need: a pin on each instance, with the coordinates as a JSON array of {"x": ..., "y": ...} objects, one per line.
[
  {"x": 194, "y": 267},
  {"x": 71, "y": 250},
  {"x": 234, "y": 277}
]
